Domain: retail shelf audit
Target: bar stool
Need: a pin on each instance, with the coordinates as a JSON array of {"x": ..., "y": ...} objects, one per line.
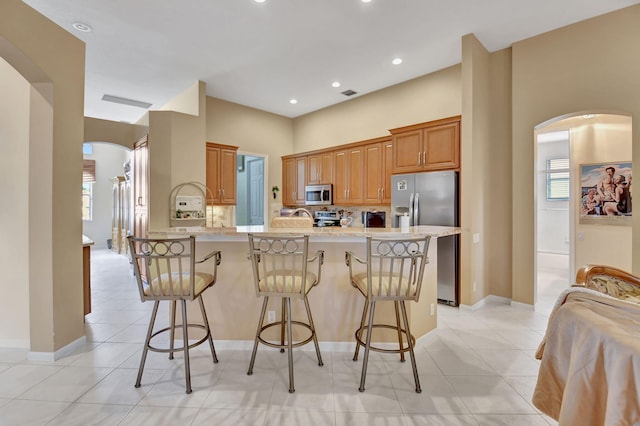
[
  {"x": 165, "y": 270},
  {"x": 394, "y": 270},
  {"x": 280, "y": 269}
]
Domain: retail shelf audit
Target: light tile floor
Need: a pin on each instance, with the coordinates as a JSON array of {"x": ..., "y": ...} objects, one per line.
[{"x": 477, "y": 368}]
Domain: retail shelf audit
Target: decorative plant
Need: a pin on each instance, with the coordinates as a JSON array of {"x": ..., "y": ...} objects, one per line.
[{"x": 274, "y": 190}]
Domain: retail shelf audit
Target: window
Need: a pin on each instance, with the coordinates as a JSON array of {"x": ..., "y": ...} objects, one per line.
[
  {"x": 87, "y": 200},
  {"x": 88, "y": 177},
  {"x": 557, "y": 179}
]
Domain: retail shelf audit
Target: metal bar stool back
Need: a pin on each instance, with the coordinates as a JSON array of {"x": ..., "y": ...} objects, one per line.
[
  {"x": 394, "y": 272},
  {"x": 165, "y": 269},
  {"x": 280, "y": 269}
]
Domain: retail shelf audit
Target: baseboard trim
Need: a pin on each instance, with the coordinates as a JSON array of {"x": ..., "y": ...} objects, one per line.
[{"x": 60, "y": 353}]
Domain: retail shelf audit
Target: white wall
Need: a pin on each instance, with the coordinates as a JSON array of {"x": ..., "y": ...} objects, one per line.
[
  {"x": 553, "y": 215},
  {"x": 109, "y": 163}
]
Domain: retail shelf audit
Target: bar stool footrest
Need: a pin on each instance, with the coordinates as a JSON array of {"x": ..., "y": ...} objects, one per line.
[
  {"x": 405, "y": 348},
  {"x": 181, "y": 348},
  {"x": 285, "y": 345}
]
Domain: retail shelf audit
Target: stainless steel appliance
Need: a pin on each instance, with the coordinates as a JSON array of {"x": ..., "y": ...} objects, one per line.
[
  {"x": 318, "y": 195},
  {"x": 432, "y": 198},
  {"x": 326, "y": 218},
  {"x": 373, "y": 219}
]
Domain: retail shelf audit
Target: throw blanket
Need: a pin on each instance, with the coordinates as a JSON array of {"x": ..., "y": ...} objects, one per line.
[{"x": 590, "y": 361}]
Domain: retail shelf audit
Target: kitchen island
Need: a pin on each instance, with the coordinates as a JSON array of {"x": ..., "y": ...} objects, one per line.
[{"x": 233, "y": 308}]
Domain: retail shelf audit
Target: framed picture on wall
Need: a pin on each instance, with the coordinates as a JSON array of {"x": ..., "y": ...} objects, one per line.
[{"x": 606, "y": 194}]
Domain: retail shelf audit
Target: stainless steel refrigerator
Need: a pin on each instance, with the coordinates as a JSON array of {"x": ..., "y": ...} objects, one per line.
[{"x": 432, "y": 198}]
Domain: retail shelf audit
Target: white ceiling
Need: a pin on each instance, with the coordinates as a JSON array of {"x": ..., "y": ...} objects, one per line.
[{"x": 264, "y": 54}]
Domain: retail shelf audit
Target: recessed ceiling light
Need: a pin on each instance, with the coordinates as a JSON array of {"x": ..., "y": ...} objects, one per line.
[
  {"x": 336, "y": 84},
  {"x": 293, "y": 101},
  {"x": 396, "y": 61},
  {"x": 85, "y": 28},
  {"x": 366, "y": 1},
  {"x": 259, "y": 1}
]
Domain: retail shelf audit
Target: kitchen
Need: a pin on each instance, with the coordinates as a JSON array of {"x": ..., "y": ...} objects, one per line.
[{"x": 333, "y": 193}]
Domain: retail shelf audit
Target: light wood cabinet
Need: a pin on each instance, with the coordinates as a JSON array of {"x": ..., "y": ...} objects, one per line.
[
  {"x": 361, "y": 172},
  {"x": 427, "y": 146},
  {"x": 293, "y": 180},
  {"x": 319, "y": 168},
  {"x": 348, "y": 176},
  {"x": 378, "y": 163},
  {"x": 221, "y": 174}
]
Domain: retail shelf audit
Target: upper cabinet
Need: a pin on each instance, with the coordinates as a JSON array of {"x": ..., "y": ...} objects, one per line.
[
  {"x": 378, "y": 161},
  {"x": 293, "y": 180},
  {"x": 361, "y": 171},
  {"x": 348, "y": 176},
  {"x": 221, "y": 174},
  {"x": 427, "y": 146},
  {"x": 319, "y": 168}
]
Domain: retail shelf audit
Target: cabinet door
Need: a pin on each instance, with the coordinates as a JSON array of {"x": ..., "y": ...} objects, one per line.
[
  {"x": 355, "y": 171},
  {"x": 293, "y": 181},
  {"x": 373, "y": 160},
  {"x": 214, "y": 195},
  {"x": 340, "y": 176},
  {"x": 301, "y": 178},
  {"x": 442, "y": 147},
  {"x": 387, "y": 167},
  {"x": 407, "y": 150},
  {"x": 228, "y": 176},
  {"x": 319, "y": 168}
]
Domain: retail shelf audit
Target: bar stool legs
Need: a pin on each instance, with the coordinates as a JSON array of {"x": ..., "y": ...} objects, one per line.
[
  {"x": 286, "y": 340},
  {"x": 400, "y": 308}
]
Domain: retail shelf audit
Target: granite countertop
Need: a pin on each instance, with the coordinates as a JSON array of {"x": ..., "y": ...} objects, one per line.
[{"x": 327, "y": 231}]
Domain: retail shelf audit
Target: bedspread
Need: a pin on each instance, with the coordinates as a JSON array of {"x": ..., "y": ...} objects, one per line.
[{"x": 590, "y": 361}]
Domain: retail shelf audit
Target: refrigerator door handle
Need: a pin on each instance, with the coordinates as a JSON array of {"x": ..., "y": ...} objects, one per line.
[
  {"x": 410, "y": 207},
  {"x": 416, "y": 209}
]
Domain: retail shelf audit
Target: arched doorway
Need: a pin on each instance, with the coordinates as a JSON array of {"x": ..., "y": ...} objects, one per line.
[
  {"x": 564, "y": 239},
  {"x": 110, "y": 200}
]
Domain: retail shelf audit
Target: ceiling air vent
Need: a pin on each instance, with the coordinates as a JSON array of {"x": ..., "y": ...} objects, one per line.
[
  {"x": 125, "y": 101},
  {"x": 349, "y": 92}
]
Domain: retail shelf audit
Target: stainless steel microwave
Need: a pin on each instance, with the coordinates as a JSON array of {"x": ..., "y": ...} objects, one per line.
[{"x": 318, "y": 195}]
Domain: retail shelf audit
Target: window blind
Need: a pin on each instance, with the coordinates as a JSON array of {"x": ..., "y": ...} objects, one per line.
[{"x": 88, "y": 170}]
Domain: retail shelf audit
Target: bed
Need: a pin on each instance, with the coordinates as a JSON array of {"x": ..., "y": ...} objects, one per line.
[{"x": 590, "y": 354}]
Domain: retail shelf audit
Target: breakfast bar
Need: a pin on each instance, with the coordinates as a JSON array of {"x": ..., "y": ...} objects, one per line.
[{"x": 233, "y": 307}]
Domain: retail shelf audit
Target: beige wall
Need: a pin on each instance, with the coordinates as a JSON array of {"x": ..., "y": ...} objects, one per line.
[
  {"x": 14, "y": 188},
  {"x": 97, "y": 130},
  {"x": 609, "y": 140},
  {"x": 475, "y": 166},
  {"x": 587, "y": 66},
  {"x": 59, "y": 61},
  {"x": 498, "y": 235},
  {"x": 431, "y": 97},
  {"x": 253, "y": 131}
]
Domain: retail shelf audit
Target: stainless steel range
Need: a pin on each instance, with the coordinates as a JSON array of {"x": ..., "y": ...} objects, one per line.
[{"x": 326, "y": 218}]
